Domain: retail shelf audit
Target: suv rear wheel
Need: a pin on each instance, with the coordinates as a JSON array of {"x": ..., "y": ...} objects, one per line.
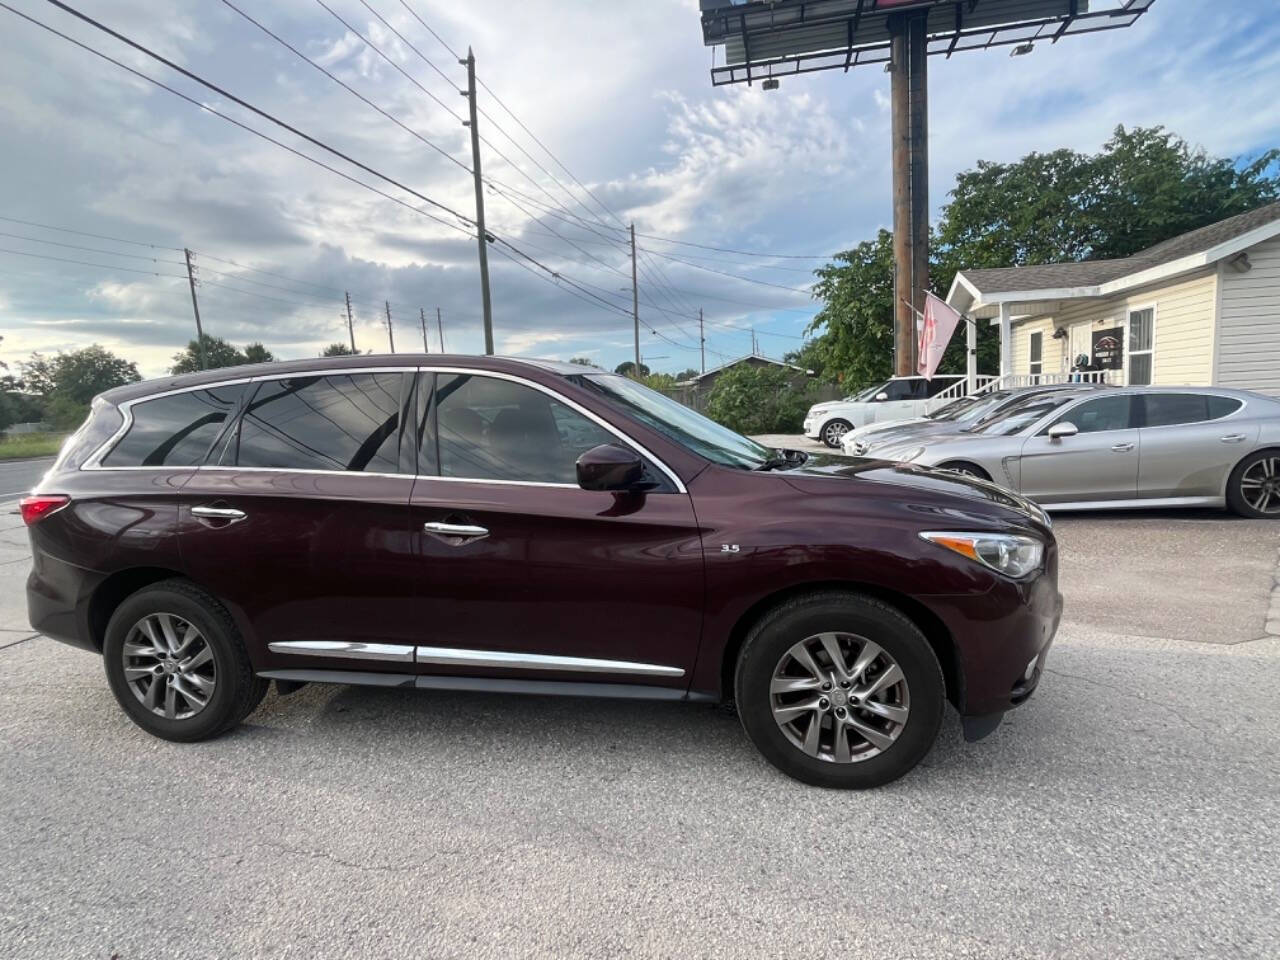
[
  {"x": 839, "y": 690},
  {"x": 177, "y": 664}
]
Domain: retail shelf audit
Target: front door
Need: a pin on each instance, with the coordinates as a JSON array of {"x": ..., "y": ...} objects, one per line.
[
  {"x": 1100, "y": 462},
  {"x": 523, "y": 573},
  {"x": 300, "y": 523}
]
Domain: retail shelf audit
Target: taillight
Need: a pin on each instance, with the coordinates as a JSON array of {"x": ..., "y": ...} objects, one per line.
[{"x": 39, "y": 505}]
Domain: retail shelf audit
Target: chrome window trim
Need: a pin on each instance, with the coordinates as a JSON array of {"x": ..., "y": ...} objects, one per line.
[
  {"x": 573, "y": 405},
  {"x": 457, "y": 657},
  {"x": 387, "y": 652},
  {"x": 94, "y": 462}
]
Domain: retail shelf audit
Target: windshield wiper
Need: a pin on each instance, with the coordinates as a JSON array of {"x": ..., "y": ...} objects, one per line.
[{"x": 785, "y": 460}]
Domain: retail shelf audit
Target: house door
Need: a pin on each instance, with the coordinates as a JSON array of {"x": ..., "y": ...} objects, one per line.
[{"x": 1079, "y": 346}]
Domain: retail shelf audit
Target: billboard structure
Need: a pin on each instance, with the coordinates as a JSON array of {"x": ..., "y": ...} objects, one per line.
[{"x": 766, "y": 40}]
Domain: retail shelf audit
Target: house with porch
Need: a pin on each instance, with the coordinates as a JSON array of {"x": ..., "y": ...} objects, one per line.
[{"x": 1201, "y": 309}]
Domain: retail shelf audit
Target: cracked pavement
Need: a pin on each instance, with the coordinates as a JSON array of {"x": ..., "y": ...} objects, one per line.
[{"x": 1129, "y": 809}]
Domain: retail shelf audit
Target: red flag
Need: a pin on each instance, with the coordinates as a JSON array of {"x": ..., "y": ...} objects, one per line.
[{"x": 940, "y": 322}]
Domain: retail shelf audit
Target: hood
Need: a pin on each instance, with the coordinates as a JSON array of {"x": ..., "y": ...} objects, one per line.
[
  {"x": 897, "y": 448},
  {"x": 885, "y": 425},
  {"x": 828, "y": 405},
  {"x": 939, "y": 490}
]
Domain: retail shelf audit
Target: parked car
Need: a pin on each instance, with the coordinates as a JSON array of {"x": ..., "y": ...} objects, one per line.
[
  {"x": 1123, "y": 447},
  {"x": 898, "y": 398},
  {"x": 484, "y": 524},
  {"x": 956, "y": 416}
]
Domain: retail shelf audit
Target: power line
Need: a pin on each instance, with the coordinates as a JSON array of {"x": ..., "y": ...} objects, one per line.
[
  {"x": 72, "y": 246},
  {"x": 96, "y": 236},
  {"x": 743, "y": 253},
  {"x": 732, "y": 276},
  {"x": 147, "y": 51},
  {"x": 86, "y": 263}
]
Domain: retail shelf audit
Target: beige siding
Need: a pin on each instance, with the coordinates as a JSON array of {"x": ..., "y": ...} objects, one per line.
[
  {"x": 1183, "y": 339},
  {"x": 1249, "y": 327}
]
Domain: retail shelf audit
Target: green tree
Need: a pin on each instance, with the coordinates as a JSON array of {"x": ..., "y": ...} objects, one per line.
[
  {"x": 627, "y": 368},
  {"x": 338, "y": 350},
  {"x": 758, "y": 400},
  {"x": 582, "y": 361},
  {"x": 257, "y": 353},
  {"x": 662, "y": 382},
  {"x": 67, "y": 382},
  {"x": 856, "y": 320},
  {"x": 217, "y": 352},
  {"x": 688, "y": 374}
]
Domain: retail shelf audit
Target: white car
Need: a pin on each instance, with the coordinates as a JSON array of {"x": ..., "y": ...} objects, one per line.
[{"x": 899, "y": 398}]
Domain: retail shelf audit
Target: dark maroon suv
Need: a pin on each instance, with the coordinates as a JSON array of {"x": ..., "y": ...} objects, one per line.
[{"x": 467, "y": 523}]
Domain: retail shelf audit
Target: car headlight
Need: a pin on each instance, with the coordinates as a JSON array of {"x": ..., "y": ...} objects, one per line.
[
  {"x": 915, "y": 454},
  {"x": 1012, "y": 555}
]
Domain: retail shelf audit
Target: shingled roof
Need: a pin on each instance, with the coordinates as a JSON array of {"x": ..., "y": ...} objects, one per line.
[{"x": 1090, "y": 273}]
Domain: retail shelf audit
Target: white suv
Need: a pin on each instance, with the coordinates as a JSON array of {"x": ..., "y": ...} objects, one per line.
[{"x": 898, "y": 398}]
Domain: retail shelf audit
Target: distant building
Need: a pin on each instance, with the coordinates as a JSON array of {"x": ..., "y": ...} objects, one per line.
[
  {"x": 1201, "y": 309},
  {"x": 704, "y": 382}
]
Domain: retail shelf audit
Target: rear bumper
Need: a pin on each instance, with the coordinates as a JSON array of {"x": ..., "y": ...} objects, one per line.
[{"x": 58, "y": 595}]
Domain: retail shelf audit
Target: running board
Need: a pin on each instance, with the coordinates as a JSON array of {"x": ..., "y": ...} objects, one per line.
[{"x": 544, "y": 688}]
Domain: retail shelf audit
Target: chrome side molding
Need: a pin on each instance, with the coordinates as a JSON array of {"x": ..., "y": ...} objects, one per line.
[
  {"x": 455, "y": 657},
  {"x": 393, "y": 652}
]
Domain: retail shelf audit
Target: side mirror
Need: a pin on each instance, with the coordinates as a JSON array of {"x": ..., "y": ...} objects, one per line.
[
  {"x": 609, "y": 467},
  {"x": 881, "y": 397},
  {"x": 1063, "y": 429}
]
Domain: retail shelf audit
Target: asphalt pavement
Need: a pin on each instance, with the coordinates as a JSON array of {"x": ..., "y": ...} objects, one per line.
[{"x": 1128, "y": 810}]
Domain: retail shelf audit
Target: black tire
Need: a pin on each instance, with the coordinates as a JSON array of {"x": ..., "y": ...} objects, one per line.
[
  {"x": 831, "y": 611},
  {"x": 841, "y": 428},
  {"x": 965, "y": 468},
  {"x": 1236, "y": 499},
  {"x": 236, "y": 692}
]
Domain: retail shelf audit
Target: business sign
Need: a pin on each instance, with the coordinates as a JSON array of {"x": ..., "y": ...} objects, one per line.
[{"x": 1108, "y": 349}]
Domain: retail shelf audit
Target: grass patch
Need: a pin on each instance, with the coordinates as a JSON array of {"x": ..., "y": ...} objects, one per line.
[{"x": 25, "y": 445}]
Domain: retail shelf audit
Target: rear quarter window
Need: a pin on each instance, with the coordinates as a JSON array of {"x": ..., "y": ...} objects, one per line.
[{"x": 176, "y": 430}]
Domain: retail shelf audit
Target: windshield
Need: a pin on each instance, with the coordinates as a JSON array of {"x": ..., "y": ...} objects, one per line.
[
  {"x": 866, "y": 394},
  {"x": 1019, "y": 415},
  {"x": 685, "y": 426},
  {"x": 954, "y": 409}
]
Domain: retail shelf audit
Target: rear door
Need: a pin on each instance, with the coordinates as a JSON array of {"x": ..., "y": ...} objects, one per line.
[
  {"x": 1190, "y": 442},
  {"x": 1100, "y": 462},
  {"x": 299, "y": 522},
  {"x": 521, "y": 572}
]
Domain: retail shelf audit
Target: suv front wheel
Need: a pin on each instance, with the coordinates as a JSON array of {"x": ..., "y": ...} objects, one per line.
[
  {"x": 839, "y": 690},
  {"x": 833, "y": 432},
  {"x": 177, "y": 664}
]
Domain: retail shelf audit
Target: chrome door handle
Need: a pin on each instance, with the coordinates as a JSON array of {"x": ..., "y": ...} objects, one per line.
[
  {"x": 1232, "y": 438},
  {"x": 1122, "y": 447},
  {"x": 455, "y": 529},
  {"x": 219, "y": 513}
]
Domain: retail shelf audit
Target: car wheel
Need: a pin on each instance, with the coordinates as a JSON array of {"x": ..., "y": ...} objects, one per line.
[
  {"x": 177, "y": 664},
  {"x": 839, "y": 690},
  {"x": 965, "y": 469},
  {"x": 1253, "y": 489},
  {"x": 834, "y": 432}
]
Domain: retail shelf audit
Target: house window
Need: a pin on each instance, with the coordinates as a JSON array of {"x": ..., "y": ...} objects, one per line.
[
  {"x": 1141, "y": 337},
  {"x": 1037, "y": 354}
]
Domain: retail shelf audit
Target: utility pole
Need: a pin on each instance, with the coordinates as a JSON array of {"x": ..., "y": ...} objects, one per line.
[
  {"x": 635, "y": 298},
  {"x": 702, "y": 341},
  {"x": 390, "y": 336},
  {"x": 191, "y": 279},
  {"x": 351, "y": 327},
  {"x": 440, "y": 327},
  {"x": 423, "y": 315},
  {"x": 908, "y": 73},
  {"x": 470, "y": 94}
]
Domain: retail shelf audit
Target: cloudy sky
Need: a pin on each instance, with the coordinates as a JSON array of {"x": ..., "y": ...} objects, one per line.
[{"x": 619, "y": 92}]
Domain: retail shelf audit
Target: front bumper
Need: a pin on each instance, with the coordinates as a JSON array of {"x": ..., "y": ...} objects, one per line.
[{"x": 810, "y": 429}]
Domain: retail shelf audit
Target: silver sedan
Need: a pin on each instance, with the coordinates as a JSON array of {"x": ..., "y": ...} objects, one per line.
[{"x": 1127, "y": 447}]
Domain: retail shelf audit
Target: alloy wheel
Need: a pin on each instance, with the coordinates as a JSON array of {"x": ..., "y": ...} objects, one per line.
[
  {"x": 839, "y": 697},
  {"x": 834, "y": 433},
  {"x": 169, "y": 666},
  {"x": 1260, "y": 485}
]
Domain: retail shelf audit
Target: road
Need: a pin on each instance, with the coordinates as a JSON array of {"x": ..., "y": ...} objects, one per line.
[
  {"x": 1130, "y": 809},
  {"x": 18, "y": 476}
]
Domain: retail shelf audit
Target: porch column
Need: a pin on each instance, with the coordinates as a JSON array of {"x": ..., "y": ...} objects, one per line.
[
  {"x": 971, "y": 354},
  {"x": 1006, "y": 340}
]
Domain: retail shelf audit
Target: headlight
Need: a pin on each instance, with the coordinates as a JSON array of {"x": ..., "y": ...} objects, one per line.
[
  {"x": 1014, "y": 556},
  {"x": 915, "y": 454}
]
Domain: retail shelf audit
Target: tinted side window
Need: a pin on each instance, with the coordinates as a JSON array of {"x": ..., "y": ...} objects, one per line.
[
  {"x": 935, "y": 386},
  {"x": 491, "y": 429},
  {"x": 337, "y": 422},
  {"x": 175, "y": 431},
  {"x": 1104, "y": 413},
  {"x": 1223, "y": 406},
  {"x": 900, "y": 389},
  {"x": 1169, "y": 409}
]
